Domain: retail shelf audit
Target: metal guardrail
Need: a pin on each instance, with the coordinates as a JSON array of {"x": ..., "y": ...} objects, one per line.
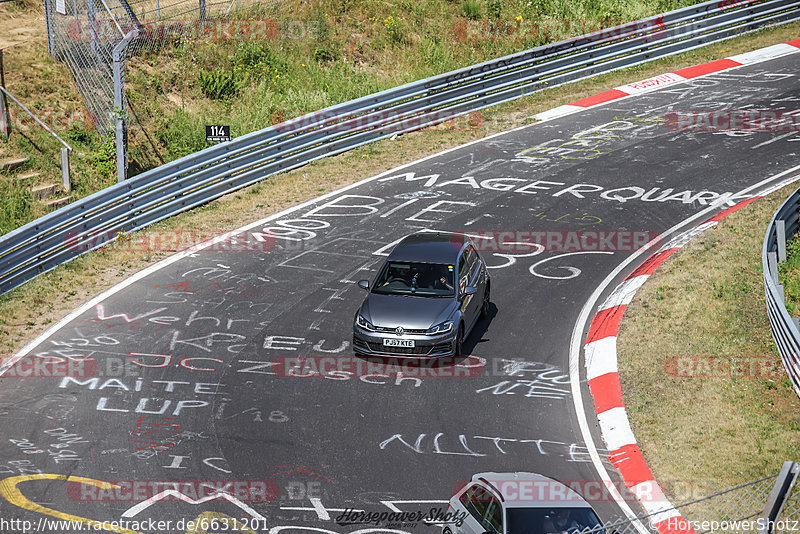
[
  {"x": 785, "y": 330},
  {"x": 198, "y": 178}
]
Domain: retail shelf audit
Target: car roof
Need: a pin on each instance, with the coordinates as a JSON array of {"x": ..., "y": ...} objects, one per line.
[
  {"x": 541, "y": 491},
  {"x": 429, "y": 247}
]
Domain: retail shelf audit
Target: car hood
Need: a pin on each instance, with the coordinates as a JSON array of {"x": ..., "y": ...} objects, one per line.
[{"x": 417, "y": 313}]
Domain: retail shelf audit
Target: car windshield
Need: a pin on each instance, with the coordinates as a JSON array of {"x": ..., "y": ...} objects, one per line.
[
  {"x": 552, "y": 521},
  {"x": 415, "y": 279}
]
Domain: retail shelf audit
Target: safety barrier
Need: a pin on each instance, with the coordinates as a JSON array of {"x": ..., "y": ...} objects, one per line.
[{"x": 783, "y": 226}]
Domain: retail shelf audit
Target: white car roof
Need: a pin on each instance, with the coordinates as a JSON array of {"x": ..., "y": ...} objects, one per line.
[{"x": 532, "y": 490}]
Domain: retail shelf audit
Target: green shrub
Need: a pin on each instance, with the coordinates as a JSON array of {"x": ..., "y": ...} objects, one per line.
[
  {"x": 472, "y": 9},
  {"x": 219, "y": 83},
  {"x": 495, "y": 8},
  {"x": 182, "y": 134},
  {"x": 105, "y": 159},
  {"x": 15, "y": 205},
  {"x": 325, "y": 54}
]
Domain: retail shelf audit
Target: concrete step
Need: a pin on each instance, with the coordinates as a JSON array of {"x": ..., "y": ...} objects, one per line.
[
  {"x": 28, "y": 175},
  {"x": 8, "y": 165},
  {"x": 58, "y": 202},
  {"x": 40, "y": 192}
]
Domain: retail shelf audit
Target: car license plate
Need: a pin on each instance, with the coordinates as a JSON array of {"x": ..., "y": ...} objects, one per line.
[{"x": 408, "y": 343}]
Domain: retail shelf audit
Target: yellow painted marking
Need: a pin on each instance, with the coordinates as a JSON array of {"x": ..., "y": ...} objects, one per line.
[{"x": 9, "y": 490}]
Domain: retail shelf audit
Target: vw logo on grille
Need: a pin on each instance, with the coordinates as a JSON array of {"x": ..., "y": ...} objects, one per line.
[{"x": 399, "y": 331}]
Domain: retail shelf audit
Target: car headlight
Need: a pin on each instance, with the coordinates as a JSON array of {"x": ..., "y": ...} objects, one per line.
[
  {"x": 363, "y": 323},
  {"x": 440, "y": 328}
]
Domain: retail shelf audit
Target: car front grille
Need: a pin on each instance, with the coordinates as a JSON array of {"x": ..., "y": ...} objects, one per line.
[
  {"x": 418, "y": 350},
  {"x": 391, "y": 330}
]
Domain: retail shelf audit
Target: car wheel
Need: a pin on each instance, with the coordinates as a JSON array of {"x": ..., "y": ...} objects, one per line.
[
  {"x": 459, "y": 341},
  {"x": 486, "y": 302}
]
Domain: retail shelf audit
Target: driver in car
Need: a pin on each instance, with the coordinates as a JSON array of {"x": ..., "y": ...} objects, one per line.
[
  {"x": 560, "y": 521},
  {"x": 445, "y": 280},
  {"x": 397, "y": 274}
]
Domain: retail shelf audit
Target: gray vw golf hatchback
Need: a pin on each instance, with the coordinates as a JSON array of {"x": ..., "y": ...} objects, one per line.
[{"x": 425, "y": 300}]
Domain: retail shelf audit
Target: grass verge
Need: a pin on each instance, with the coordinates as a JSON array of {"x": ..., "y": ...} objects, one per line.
[
  {"x": 704, "y": 418},
  {"x": 317, "y": 53}
]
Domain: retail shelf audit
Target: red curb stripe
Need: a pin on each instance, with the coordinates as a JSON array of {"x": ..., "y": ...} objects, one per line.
[
  {"x": 631, "y": 464},
  {"x": 721, "y": 215},
  {"x": 607, "y": 392},
  {"x": 796, "y": 43},
  {"x": 605, "y": 323},
  {"x": 707, "y": 68},
  {"x": 675, "y": 525},
  {"x": 605, "y": 96},
  {"x": 652, "y": 263}
]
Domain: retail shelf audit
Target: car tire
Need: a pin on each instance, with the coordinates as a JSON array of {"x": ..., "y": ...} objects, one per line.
[
  {"x": 486, "y": 302},
  {"x": 459, "y": 342}
]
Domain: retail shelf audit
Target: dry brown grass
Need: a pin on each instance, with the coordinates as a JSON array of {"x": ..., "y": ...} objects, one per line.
[{"x": 708, "y": 301}]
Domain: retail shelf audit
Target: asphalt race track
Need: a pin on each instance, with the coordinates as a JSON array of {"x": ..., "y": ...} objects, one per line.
[{"x": 188, "y": 385}]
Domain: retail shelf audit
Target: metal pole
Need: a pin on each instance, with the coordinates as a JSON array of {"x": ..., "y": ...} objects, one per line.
[
  {"x": 65, "y": 179},
  {"x": 772, "y": 262},
  {"x": 777, "y": 497},
  {"x": 780, "y": 227},
  {"x": 119, "y": 127},
  {"x": 5, "y": 119},
  {"x": 91, "y": 12},
  {"x": 120, "y": 140},
  {"x": 34, "y": 117},
  {"x": 203, "y": 10},
  {"x": 48, "y": 18}
]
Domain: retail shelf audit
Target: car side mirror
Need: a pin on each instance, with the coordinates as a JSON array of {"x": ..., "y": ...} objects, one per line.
[
  {"x": 470, "y": 290},
  {"x": 364, "y": 284}
]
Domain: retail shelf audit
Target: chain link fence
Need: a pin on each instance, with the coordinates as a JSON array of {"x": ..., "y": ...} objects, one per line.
[
  {"x": 745, "y": 508},
  {"x": 733, "y": 510},
  {"x": 788, "y": 520},
  {"x": 95, "y": 38}
]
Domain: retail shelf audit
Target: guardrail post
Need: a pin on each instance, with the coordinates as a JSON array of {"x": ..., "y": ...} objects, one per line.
[
  {"x": 780, "y": 227},
  {"x": 65, "y": 180},
  {"x": 203, "y": 10},
  {"x": 796, "y": 322},
  {"x": 772, "y": 260},
  {"x": 777, "y": 497},
  {"x": 5, "y": 121},
  {"x": 782, "y": 294},
  {"x": 48, "y": 22}
]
